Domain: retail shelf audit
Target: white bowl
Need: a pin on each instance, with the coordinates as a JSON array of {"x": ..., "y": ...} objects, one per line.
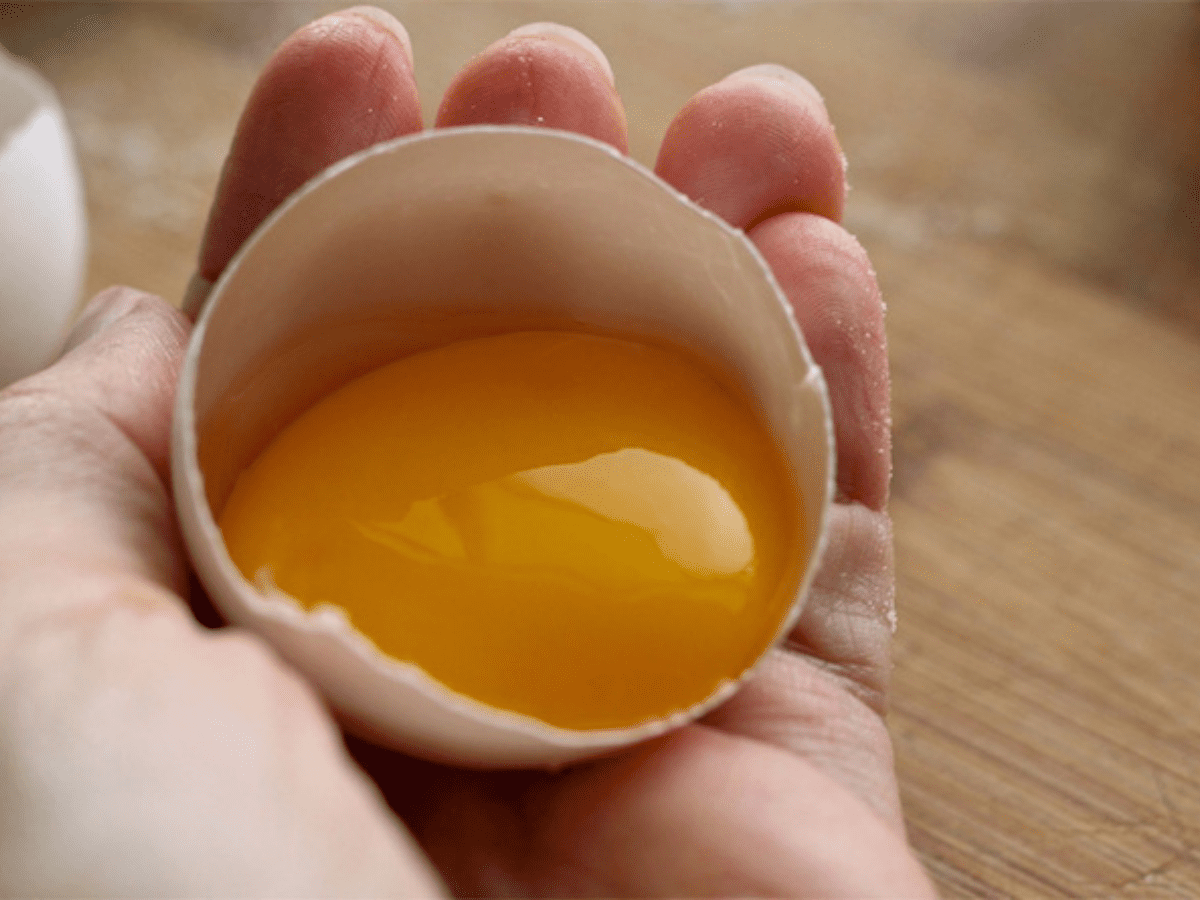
[{"x": 43, "y": 225}]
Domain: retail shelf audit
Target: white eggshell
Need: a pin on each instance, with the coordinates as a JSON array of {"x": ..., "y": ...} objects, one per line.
[
  {"x": 447, "y": 235},
  {"x": 43, "y": 228}
]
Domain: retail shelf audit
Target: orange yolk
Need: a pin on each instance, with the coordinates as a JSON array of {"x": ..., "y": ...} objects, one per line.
[{"x": 582, "y": 529}]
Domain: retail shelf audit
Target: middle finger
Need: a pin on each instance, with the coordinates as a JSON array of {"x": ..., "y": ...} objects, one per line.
[
  {"x": 336, "y": 86},
  {"x": 544, "y": 75}
]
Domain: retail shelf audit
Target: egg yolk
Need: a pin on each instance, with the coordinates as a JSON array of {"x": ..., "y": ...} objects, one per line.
[{"x": 583, "y": 529}]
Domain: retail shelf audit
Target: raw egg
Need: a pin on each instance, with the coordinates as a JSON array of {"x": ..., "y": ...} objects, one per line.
[
  {"x": 589, "y": 531},
  {"x": 513, "y": 451}
]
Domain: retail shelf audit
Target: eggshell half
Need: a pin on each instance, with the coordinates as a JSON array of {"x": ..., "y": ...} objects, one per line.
[
  {"x": 43, "y": 227},
  {"x": 443, "y": 236}
]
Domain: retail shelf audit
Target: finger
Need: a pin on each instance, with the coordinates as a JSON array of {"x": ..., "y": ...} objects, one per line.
[
  {"x": 850, "y": 616},
  {"x": 336, "y": 86},
  {"x": 755, "y": 144},
  {"x": 830, "y": 284},
  {"x": 544, "y": 75}
]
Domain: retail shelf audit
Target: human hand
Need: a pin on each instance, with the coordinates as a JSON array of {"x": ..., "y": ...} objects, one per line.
[{"x": 140, "y": 754}]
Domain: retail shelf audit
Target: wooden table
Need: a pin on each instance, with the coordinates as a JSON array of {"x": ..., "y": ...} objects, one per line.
[{"x": 1027, "y": 180}]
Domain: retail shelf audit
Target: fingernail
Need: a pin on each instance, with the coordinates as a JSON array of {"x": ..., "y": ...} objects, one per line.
[
  {"x": 386, "y": 20},
  {"x": 565, "y": 33},
  {"x": 777, "y": 73},
  {"x": 101, "y": 313}
]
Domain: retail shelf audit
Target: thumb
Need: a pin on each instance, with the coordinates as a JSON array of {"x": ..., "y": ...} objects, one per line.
[
  {"x": 123, "y": 358},
  {"x": 84, "y": 472},
  {"x": 140, "y": 756}
]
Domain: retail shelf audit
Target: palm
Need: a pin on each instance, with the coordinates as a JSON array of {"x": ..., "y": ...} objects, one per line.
[
  {"x": 805, "y": 733},
  {"x": 788, "y": 788}
]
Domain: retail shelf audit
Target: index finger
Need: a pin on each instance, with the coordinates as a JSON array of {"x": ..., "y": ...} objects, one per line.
[{"x": 336, "y": 86}]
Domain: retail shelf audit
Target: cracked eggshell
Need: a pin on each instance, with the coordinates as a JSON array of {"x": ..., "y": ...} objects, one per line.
[
  {"x": 43, "y": 227},
  {"x": 448, "y": 235}
]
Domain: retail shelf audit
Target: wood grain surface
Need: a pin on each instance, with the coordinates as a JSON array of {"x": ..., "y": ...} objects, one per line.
[{"x": 1027, "y": 180}]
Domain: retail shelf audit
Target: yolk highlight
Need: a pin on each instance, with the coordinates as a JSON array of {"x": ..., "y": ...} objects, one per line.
[{"x": 583, "y": 529}]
